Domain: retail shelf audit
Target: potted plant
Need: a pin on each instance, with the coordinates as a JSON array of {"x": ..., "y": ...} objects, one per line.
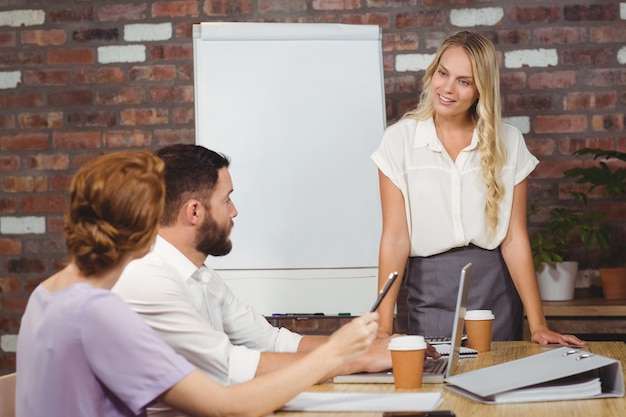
[
  {"x": 611, "y": 179},
  {"x": 556, "y": 276}
]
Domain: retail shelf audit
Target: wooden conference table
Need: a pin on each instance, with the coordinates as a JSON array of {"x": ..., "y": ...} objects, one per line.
[{"x": 464, "y": 407}]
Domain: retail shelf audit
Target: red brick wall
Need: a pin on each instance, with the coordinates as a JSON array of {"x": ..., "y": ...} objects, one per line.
[{"x": 63, "y": 100}]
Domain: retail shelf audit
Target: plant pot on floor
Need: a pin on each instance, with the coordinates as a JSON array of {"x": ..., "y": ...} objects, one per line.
[
  {"x": 557, "y": 280},
  {"x": 613, "y": 283}
]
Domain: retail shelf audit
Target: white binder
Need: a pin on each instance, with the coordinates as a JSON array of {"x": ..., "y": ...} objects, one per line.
[{"x": 560, "y": 374}]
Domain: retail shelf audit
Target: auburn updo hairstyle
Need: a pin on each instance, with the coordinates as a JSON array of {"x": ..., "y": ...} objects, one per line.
[{"x": 115, "y": 204}]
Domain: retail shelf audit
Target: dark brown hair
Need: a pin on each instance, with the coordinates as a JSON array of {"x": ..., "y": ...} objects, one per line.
[{"x": 191, "y": 171}]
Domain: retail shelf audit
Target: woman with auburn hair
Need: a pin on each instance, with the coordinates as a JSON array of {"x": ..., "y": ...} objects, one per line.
[
  {"x": 83, "y": 352},
  {"x": 453, "y": 188}
]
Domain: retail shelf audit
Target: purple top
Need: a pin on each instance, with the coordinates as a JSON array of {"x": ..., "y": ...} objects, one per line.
[{"x": 83, "y": 352}]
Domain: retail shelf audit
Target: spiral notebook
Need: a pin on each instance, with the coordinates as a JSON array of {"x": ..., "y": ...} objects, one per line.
[
  {"x": 465, "y": 352},
  {"x": 435, "y": 370}
]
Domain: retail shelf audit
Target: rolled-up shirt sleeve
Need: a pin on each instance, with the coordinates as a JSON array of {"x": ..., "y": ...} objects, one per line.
[
  {"x": 287, "y": 341},
  {"x": 243, "y": 362}
]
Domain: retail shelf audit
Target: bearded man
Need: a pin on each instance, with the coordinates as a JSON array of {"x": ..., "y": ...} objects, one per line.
[{"x": 187, "y": 302}]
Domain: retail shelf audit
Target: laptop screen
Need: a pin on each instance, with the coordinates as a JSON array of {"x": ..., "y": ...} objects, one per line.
[
  {"x": 459, "y": 321},
  {"x": 451, "y": 362}
]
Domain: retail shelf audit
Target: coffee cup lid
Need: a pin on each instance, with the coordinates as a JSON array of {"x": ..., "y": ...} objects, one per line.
[
  {"x": 479, "y": 315},
  {"x": 407, "y": 343}
]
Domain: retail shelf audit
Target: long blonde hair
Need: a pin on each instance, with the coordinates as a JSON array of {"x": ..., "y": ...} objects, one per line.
[{"x": 486, "y": 113}]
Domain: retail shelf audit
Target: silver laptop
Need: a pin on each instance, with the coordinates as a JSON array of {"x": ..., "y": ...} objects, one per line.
[{"x": 435, "y": 370}]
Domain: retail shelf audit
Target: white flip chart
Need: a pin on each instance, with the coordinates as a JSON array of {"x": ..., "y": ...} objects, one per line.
[{"x": 298, "y": 108}]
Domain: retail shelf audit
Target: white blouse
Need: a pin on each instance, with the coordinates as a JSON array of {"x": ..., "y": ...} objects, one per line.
[{"x": 444, "y": 199}]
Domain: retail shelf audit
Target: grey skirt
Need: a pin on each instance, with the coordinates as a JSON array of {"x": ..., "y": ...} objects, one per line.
[{"x": 433, "y": 282}]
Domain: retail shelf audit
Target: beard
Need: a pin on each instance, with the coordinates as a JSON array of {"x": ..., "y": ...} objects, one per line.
[{"x": 214, "y": 240}]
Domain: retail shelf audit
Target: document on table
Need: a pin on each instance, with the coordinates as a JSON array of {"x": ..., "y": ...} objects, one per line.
[{"x": 364, "y": 401}]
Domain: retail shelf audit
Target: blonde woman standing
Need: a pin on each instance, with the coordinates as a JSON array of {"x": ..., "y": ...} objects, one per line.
[{"x": 453, "y": 185}]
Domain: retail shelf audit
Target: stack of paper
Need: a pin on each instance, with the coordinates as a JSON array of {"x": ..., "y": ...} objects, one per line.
[
  {"x": 364, "y": 401},
  {"x": 566, "y": 389}
]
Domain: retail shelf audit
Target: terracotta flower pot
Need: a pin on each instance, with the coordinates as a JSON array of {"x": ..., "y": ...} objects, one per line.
[{"x": 613, "y": 283}]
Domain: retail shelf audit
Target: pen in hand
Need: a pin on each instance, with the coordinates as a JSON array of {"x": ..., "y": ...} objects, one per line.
[{"x": 384, "y": 291}]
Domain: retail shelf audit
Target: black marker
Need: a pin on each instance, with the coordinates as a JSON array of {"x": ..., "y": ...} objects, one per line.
[{"x": 384, "y": 291}]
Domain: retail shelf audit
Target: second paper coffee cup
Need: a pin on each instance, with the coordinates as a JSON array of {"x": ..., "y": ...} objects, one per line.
[{"x": 478, "y": 326}]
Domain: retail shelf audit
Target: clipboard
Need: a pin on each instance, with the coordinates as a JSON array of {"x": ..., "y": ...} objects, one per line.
[{"x": 559, "y": 374}]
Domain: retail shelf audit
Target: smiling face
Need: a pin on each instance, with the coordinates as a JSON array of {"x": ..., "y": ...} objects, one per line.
[{"x": 453, "y": 86}]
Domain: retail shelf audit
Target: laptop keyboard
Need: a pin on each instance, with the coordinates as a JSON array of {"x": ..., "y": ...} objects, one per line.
[{"x": 435, "y": 366}]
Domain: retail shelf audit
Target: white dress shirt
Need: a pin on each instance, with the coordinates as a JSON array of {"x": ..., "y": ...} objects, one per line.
[
  {"x": 445, "y": 199},
  {"x": 198, "y": 315}
]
